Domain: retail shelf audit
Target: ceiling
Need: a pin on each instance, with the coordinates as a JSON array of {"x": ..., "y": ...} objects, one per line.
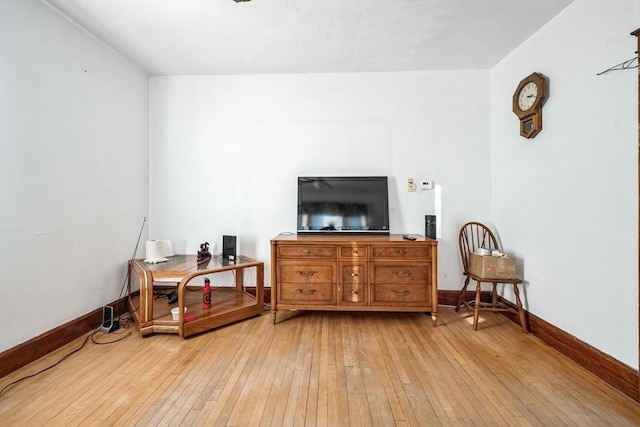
[{"x": 191, "y": 37}]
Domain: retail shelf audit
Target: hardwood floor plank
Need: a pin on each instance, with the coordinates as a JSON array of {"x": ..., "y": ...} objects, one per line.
[
  {"x": 324, "y": 369},
  {"x": 268, "y": 373},
  {"x": 395, "y": 378},
  {"x": 250, "y": 405},
  {"x": 288, "y": 338},
  {"x": 379, "y": 384},
  {"x": 338, "y": 402},
  {"x": 322, "y": 373},
  {"x": 309, "y": 411}
]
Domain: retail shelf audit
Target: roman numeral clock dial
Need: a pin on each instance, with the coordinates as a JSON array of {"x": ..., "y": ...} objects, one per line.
[{"x": 528, "y": 100}]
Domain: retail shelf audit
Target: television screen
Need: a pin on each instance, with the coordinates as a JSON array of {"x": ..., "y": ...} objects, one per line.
[{"x": 343, "y": 205}]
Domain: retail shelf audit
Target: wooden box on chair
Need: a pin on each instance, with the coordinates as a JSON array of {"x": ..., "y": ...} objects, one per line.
[{"x": 492, "y": 267}]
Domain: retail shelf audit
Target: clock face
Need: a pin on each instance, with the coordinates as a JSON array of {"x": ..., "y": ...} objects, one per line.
[{"x": 527, "y": 96}]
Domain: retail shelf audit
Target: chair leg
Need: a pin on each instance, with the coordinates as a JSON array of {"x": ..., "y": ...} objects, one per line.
[
  {"x": 494, "y": 295},
  {"x": 463, "y": 293},
  {"x": 523, "y": 320},
  {"x": 476, "y": 307}
]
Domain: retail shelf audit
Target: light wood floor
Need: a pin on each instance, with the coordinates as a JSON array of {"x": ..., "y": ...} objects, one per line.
[{"x": 325, "y": 369}]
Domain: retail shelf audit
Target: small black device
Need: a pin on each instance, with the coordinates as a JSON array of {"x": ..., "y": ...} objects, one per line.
[
  {"x": 407, "y": 237},
  {"x": 430, "y": 226},
  {"x": 229, "y": 247},
  {"x": 108, "y": 324},
  {"x": 172, "y": 297}
]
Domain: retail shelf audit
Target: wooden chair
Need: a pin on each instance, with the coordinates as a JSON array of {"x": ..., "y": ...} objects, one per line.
[{"x": 475, "y": 235}]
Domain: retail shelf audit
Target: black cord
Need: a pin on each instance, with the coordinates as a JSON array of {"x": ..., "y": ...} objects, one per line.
[
  {"x": 161, "y": 294},
  {"x": 124, "y": 324},
  {"x": 52, "y": 366},
  {"x": 112, "y": 341},
  {"x": 126, "y": 277}
]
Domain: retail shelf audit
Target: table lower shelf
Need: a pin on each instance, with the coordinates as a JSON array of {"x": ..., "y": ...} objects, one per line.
[{"x": 227, "y": 305}]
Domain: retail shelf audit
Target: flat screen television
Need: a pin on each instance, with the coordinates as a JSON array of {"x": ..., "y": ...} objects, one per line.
[{"x": 343, "y": 204}]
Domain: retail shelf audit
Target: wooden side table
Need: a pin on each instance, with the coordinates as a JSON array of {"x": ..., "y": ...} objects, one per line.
[{"x": 228, "y": 304}]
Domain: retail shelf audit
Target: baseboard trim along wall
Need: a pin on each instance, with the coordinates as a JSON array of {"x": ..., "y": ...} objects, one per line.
[{"x": 613, "y": 372}]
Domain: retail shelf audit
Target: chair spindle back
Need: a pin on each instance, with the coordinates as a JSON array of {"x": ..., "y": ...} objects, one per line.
[{"x": 474, "y": 235}]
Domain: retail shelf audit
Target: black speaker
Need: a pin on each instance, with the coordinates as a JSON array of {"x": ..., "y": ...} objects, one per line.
[
  {"x": 229, "y": 247},
  {"x": 430, "y": 226}
]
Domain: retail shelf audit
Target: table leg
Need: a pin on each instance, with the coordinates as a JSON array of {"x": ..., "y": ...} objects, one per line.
[{"x": 239, "y": 279}]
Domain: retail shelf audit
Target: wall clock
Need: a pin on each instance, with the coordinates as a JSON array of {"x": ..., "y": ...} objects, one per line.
[{"x": 528, "y": 100}]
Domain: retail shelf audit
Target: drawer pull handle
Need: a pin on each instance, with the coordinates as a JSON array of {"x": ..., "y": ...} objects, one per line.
[
  {"x": 402, "y": 273},
  {"x": 307, "y": 273},
  {"x": 307, "y": 291},
  {"x": 354, "y": 252},
  {"x": 401, "y": 292},
  {"x": 354, "y": 293},
  {"x": 354, "y": 274},
  {"x": 306, "y": 251},
  {"x": 400, "y": 252}
]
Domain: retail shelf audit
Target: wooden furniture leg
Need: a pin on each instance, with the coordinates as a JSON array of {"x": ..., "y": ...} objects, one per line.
[
  {"x": 523, "y": 320},
  {"x": 463, "y": 293},
  {"x": 494, "y": 295},
  {"x": 476, "y": 307}
]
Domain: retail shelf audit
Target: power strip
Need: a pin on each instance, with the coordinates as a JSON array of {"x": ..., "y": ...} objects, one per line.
[
  {"x": 109, "y": 324},
  {"x": 114, "y": 327}
]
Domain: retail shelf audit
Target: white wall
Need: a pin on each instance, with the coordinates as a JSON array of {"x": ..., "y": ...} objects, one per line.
[
  {"x": 566, "y": 202},
  {"x": 226, "y": 152},
  {"x": 74, "y": 170}
]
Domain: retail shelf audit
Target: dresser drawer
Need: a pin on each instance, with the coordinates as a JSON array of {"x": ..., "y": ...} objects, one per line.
[
  {"x": 307, "y": 251},
  {"x": 306, "y": 272},
  {"x": 401, "y": 251},
  {"x": 354, "y": 251},
  {"x": 353, "y": 294},
  {"x": 400, "y": 295},
  {"x": 405, "y": 273},
  {"x": 312, "y": 293},
  {"x": 353, "y": 272}
]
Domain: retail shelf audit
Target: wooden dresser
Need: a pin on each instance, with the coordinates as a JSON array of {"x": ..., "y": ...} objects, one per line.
[{"x": 354, "y": 273}]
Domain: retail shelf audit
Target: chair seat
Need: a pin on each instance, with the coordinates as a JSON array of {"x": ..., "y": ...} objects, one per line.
[{"x": 492, "y": 280}]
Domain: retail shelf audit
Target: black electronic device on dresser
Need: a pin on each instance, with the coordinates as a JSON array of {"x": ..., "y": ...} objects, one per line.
[
  {"x": 343, "y": 205},
  {"x": 430, "y": 229}
]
